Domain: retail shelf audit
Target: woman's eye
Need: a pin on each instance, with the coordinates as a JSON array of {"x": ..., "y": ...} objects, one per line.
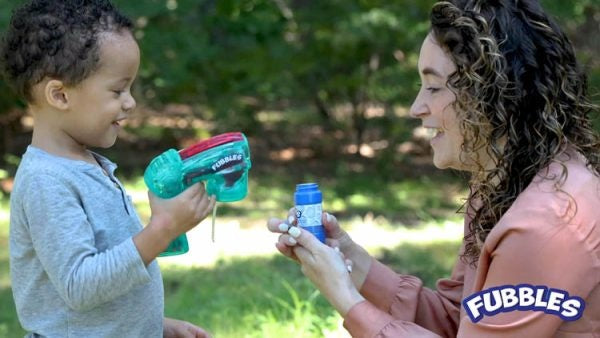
[
  {"x": 433, "y": 90},
  {"x": 118, "y": 92}
]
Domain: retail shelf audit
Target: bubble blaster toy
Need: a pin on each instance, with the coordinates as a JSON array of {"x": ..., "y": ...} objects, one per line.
[{"x": 221, "y": 161}]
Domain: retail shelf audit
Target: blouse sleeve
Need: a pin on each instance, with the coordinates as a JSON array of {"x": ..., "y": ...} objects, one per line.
[{"x": 399, "y": 306}]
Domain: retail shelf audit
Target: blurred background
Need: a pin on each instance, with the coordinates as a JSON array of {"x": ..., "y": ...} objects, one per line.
[{"x": 321, "y": 89}]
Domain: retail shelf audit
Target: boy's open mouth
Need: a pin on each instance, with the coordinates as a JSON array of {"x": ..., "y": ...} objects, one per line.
[{"x": 118, "y": 122}]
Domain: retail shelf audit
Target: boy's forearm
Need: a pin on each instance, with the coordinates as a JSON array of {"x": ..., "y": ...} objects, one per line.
[{"x": 153, "y": 240}]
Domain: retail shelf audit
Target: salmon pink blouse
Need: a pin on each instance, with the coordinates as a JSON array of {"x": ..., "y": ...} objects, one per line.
[{"x": 548, "y": 237}]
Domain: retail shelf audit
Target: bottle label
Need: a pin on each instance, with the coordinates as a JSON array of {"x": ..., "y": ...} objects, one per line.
[{"x": 309, "y": 215}]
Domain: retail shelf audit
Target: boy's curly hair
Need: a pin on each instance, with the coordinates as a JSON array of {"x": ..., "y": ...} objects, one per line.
[
  {"x": 57, "y": 39},
  {"x": 517, "y": 81}
]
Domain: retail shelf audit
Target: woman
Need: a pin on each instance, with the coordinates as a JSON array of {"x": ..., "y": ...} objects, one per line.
[{"x": 502, "y": 88}]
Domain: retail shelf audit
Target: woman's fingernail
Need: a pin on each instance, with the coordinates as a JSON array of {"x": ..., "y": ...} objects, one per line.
[
  {"x": 292, "y": 241},
  {"x": 291, "y": 220},
  {"x": 329, "y": 218},
  {"x": 349, "y": 268},
  {"x": 294, "y": 231},
  {"x": 283, "y": 227},
  {"x": 336, "y": 249}
]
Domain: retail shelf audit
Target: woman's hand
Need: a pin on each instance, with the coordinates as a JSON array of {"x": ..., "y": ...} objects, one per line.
[
  {"x": 336, "y": 237},
  {"x": 327, "y": 269},
  {"x": 173, "y": 328},
  {"x": 332, "y": 228}
]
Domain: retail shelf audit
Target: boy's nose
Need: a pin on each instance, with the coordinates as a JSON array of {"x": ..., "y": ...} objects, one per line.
[{"x": 129, "y": 103}]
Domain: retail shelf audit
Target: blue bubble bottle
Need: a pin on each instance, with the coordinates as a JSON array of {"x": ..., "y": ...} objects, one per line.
[{"x": 308, "y": 200}]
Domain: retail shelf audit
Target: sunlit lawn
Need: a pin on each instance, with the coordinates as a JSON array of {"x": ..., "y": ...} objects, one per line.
[{"x": 239, "y": 287}]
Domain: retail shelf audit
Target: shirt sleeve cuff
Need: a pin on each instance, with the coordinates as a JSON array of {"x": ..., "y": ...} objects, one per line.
[
  {"x": 381, "y": 285},
  {"x": 366, "y": 320}
]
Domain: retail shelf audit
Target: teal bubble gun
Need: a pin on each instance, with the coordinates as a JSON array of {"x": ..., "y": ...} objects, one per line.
[{"x": 222, "y": 161}]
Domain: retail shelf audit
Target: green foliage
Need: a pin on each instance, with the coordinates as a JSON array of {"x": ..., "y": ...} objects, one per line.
[
  {"x": 221, "y": 53},
  {"x": 232, "y": 59}
]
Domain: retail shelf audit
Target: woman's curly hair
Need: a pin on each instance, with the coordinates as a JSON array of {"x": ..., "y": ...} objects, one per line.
[
  {"x": 520, "y": 95},
  {"x": 57, "y": 39}
]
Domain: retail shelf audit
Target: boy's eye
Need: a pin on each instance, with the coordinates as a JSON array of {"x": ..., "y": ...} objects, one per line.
[
  {"x": 118, "y": 92},
  {"x": 433, "y": 90}
]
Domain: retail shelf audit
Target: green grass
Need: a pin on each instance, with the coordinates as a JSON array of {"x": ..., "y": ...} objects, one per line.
[
  {"x": 267, "y": 296},
  {"x": 9, "y": 325},
  {"x": 251, "y": 297},
  {"x": 429, "y": 262}
]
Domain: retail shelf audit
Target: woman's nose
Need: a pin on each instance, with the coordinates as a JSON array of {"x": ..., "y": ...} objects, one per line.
[{"x": 418, "y": 109}]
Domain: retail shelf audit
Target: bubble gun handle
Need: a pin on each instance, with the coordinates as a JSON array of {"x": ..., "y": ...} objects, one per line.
[{"x": 221, "y": 161}]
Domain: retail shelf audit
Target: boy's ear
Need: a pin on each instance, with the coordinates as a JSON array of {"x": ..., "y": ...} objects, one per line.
[{"x": 55, "y": 94}]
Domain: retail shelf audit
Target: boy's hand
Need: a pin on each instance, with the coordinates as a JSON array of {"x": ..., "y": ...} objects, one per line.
[
  {"x": 181, "y": 213},
  {"x": 172, "y": 217},
  {"x": 173, "y": 328}
]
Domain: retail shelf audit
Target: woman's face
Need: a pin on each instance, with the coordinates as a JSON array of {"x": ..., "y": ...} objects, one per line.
[{"x": 433, "y": 105}]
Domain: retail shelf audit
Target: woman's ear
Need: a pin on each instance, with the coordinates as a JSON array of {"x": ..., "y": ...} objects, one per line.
[{"x": 56, "y": 95}]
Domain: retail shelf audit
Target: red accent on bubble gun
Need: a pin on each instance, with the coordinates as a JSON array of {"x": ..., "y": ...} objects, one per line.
[{"x": 210, "y": 143}]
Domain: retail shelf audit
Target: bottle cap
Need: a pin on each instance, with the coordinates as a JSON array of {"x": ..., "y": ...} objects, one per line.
[{"x": 307, "y": 193}]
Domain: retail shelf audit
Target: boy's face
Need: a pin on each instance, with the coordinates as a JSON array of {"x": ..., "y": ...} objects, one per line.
[{"x": 100, "y": 103}]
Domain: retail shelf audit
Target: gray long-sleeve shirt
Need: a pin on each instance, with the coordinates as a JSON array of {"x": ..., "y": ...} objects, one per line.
[{"x": 74, "y": 268}]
